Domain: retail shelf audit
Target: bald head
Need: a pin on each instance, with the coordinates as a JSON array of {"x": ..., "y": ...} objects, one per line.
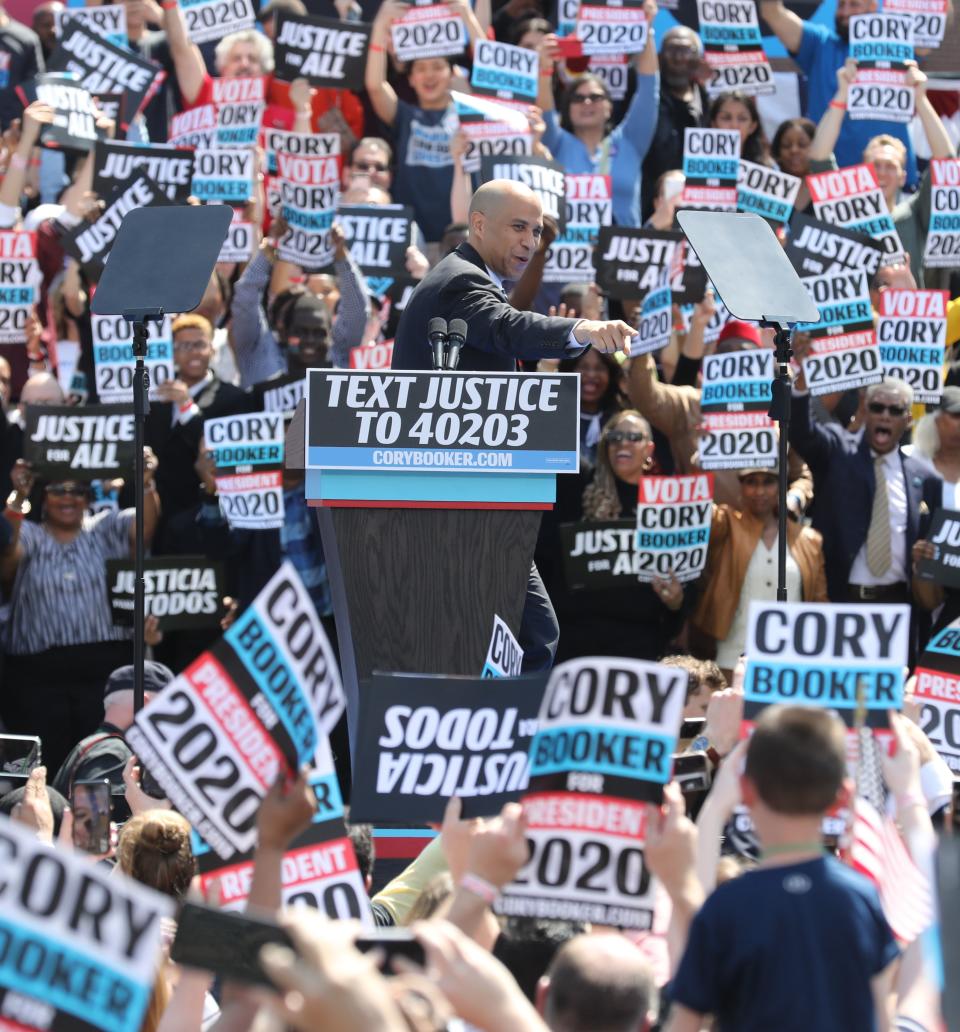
[
  {"x": 41, "y": 389},
  {"x": 599, "y": 983},
  {"x": 506, "y": 223}
]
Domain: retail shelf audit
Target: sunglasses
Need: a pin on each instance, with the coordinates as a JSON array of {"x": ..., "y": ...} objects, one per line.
[
  {"x": 369, "y": 166},
  {"x": 588, "y": 98},
  {"x": 60, "y": 490},
  {"x": 619, "y": 436},
  {"x": 878, "y": 409}
]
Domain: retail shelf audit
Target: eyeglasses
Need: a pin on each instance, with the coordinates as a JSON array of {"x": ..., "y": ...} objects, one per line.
[
  {"x": 588, "y": 98},
  {"x": 191, "y": 345},
  {"x": 369, "y": 166},
  {"x": 878, "y": 409},
  {"x": 59, "y": 490},
  {"x": 619, "y": 436}
]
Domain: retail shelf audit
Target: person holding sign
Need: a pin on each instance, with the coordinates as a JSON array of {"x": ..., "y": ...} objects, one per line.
[
  {"x": 61, "y": 641},
  {"x": 868, "y": 500},
  {"x": 584, "y": 142},
  {"x": 743, "y": 565},
  {"x": 738, "y": 110}
]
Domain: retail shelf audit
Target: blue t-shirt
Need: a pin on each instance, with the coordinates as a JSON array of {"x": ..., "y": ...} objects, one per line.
[
  {"x": 821, "y": 53},
  {"x": 790, "y": 948},
  {"x": 424, "y": 175}
]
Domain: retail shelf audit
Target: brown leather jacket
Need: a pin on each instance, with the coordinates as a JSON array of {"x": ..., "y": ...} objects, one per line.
[{"x": 733, "y": 538}]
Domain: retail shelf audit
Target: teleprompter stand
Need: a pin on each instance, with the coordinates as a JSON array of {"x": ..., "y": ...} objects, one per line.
[
  {"x": 755, "y": 280},
  {"x": 160, "y": 262}
]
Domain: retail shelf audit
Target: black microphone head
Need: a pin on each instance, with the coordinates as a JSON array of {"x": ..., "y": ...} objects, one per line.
[
  {"x": 437, "y": 325},
  {"x": 458, "y": 328}
]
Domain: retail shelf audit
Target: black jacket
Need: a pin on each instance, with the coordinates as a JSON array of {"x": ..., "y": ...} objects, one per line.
[{"x": 458, "y": 287}]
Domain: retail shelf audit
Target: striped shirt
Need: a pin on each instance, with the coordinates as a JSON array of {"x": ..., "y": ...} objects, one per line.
[{"x": 60, "y": 593}]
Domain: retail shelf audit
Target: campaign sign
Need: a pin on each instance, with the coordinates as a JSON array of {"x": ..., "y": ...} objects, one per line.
[
  {"x": 944, "y": 535},
  {"x": 65, "y": 442},
  {"x": 736, "y": 432},
  {"x": 674, "y": 515},
  {"x": 319, "y": 868},
  {"x": 109, "y": 21},
  {"x": 468, "y": 422},
  {"x": 617, "y": 28},
  {"x": 655, "y": 323},
  {"x": 224, "y": 175},
  {"x": 567, "y": 16},
  {"x": 239, "y": 243},
  {"x": 90, "y": 242},
  {"x": 851, "y": 197},
  {"x": 733, "y": 47},
  {"x": 309, "y": 194},
  {"x": 613, "y": 70},
  {"x": 213, "y": 19},
  {"x": 606, "y": 732},
  {"x": 378, "y": 236},
  {"x": 849, "y": 658},
  {"x": 504, "y": 656},
  {"x": 116, "y": 161},
  {"x": 196, "y": 127},
  {"x": 248, "y": 452},
  {"x": 19, "y": 279},
  {"x": 881, "y": 43},
  {"x": 599, "y": 554},
  {"x": 240, "y": 117},
  {"x": 251, "y": 709},
  {"x": 912, "y": 335},
  {"x": 105, "y": 68},
  {"x": 711, "y": 164},
  {"x": 304, "y": 145},
  {"x": 492, "y": 129},
  {"x": 544, "y": 177},
  {"x": 929, "y": 19},
  {"x": 766, "y": 191},
  {"x": 113, "y": 356},
  {"x": 81, "y": 941},
  {"x": 423, "y": 739},
  {"x": 504, "y": 71},
  {"x": 631, "y": 262},
  {"x": 938, "y": 692},
  {"x": 372, "y": 356},
  {"x": 817, "y": 247},
  {"x": 279, "y": 395},
  {"x": 324, "y": 51},
  {"x": 589, "y": 207},
  {"x": 942, "y": 250},
  {"x": 74, "y": 125},
  {"x": 844, "y": 342},
  {"x": 182, "y": 591},
  {"x": 433, "y": 31}
]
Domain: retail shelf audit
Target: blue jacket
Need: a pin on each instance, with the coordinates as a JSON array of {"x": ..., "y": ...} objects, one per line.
[{"x": 843, "y": 485}]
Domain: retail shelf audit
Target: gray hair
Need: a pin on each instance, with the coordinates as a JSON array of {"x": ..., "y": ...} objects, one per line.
[
  {"x": 892, "y": 385},
  {"x": 263, "y": 45}
]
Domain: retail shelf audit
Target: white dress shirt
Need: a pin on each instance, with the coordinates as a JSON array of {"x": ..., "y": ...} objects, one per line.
[{"x": 897, "y": 500}]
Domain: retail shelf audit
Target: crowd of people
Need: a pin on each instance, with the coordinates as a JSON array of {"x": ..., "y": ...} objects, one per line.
[{"x": 868, "y": 469}]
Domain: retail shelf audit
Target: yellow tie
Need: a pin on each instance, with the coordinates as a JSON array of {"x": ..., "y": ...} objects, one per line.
[{"x": 878, "y": 536}]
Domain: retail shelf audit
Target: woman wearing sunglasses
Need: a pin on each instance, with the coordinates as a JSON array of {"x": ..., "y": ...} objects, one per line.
[
  {"x": 61, "y": 643},
  {"x": 742, "y": 565},
  {"x": 637, "y": 620}
]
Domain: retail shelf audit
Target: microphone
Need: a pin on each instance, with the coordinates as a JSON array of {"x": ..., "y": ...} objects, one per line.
[
  {"x": 437, "y": 335},
  {"x": 458, "y": 339}
]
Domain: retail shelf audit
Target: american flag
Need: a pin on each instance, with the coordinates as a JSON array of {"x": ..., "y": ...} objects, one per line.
[{"x": 878, "y": 851}]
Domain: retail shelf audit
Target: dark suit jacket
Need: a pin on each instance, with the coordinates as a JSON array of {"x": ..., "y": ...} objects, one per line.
[
  {"x": 458, "y": 287},
  {"x": 843, "y": 486}
]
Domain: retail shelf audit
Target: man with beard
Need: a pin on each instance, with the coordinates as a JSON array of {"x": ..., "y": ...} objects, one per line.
[
  {"x": 683, "y": 104},
  {"x": 820, "y": 51}
]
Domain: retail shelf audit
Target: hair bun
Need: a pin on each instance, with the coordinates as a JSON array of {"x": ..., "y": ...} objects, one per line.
[{"x": 162, "y": 836}]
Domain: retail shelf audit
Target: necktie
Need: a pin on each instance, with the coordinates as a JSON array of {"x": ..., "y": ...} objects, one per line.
[{"x": 878, "y": 536}]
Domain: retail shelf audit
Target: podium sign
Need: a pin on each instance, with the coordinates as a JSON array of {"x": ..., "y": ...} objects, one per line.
[{"x": 443, "y": 421}]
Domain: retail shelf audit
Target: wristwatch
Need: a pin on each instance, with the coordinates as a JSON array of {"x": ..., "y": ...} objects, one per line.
[{"x": 702, "y": 744}]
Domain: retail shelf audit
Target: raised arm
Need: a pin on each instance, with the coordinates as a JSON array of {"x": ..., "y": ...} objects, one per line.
[
  {"x": 549, "y": 52},
  {"x": 151, "y": 502},
  {"x": 354, "y": 307},
  {"x": 647, "y": 62},
  {"x": 34, "y": 117},
  {"x": 828, "y": 129},
  {"x": 933, "y": 127},
  {"x": 187, "y": 59},
  {"x": 669, "y": 408},
  {"x": 787, "y": 26},
  {"x": 381, "y": 93}
]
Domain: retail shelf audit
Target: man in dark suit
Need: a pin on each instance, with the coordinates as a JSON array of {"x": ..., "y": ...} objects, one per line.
[
  {"x": 869, "y": 524},
  {"x": 506, "y": 222}
]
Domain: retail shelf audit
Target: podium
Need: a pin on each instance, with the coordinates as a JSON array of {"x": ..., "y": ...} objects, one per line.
[{"x": 428, "y": 489}]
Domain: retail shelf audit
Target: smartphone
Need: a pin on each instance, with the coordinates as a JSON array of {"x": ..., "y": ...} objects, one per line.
[
  {"x": 91, "y": 803},
  {"x": 692, "y": 727},
  {"x": 394, "y": 942},
  {"x": 692, "y": 772},
  {"x": 19, "y": 754},
  {"x": 570, "y": 46},
  {"x": 148, "y": 783},
  {"x": 226, "y": 944}
]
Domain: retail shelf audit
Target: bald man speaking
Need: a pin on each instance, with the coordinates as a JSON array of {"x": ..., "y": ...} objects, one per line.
[{"x": 506, "y": 222}]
